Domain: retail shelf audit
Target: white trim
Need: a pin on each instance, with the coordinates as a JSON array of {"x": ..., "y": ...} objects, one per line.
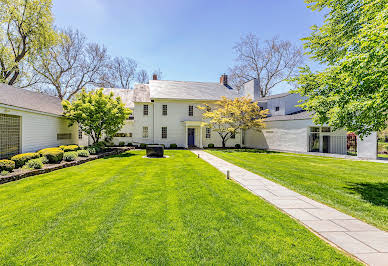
[{"x": 6, "y": 106}]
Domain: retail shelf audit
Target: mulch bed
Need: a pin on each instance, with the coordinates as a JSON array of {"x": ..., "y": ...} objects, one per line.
[{"x": 23, "y": 173}]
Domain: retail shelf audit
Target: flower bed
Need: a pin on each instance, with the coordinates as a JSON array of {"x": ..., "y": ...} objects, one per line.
[{"x": 23, "y": 173}]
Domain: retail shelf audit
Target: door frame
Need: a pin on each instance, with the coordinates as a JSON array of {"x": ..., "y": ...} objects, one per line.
[{"x": 188, "y": 134}]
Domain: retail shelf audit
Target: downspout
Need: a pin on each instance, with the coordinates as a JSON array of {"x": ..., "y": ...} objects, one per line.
[{"x": 153, "y": 122}]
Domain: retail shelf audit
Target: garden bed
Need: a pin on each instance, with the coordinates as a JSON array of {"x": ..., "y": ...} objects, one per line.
[{"x": 21, "y": 173}]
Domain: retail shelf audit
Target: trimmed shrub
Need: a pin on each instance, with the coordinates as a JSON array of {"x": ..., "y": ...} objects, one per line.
[
  {"x": 66, "y": 148},
  {"x": 34, "y": 164},
  {"x": 54, "y": 155},
  {"x": 44, "y": 160},
  {"x": 143, "y": 145},
  {"x": 237, "y": 146},
  {"x": 173, "y": 146},
  {"x": 70, "y": 156},
  {"x": 210, "y": 145},
  {"x": 121, "y": 143},
  {"x": 91, "y": 150},
  {"x": 129, "y": 144},
  {"x": 4, "y": 172},
  {"x": 7, "y": 165},
  {"x": 21, "y": 159},
  {"x": 83, "y": 153}
]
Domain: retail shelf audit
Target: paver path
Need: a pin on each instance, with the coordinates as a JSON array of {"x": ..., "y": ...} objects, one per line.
[{"x": 362, "y": 240}]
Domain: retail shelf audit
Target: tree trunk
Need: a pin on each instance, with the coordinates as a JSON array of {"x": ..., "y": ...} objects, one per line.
[{"x": 223, "y": 143}]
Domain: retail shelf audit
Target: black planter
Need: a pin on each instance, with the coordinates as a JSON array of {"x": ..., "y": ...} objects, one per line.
[{"x": 155, "y": 151}]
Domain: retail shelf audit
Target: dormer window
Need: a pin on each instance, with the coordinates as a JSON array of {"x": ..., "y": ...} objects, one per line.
[{"x": 277, "y": 108}]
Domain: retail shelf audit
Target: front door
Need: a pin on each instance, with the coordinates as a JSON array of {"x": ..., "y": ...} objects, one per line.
[
  {"x": 326, "y": 144},
  {"x": 190, "y": 136}
]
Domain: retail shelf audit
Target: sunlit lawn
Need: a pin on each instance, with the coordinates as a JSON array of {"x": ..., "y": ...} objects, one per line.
[
  {"x": 132, "y": 210},
  {"x": 357, "y": 188}
]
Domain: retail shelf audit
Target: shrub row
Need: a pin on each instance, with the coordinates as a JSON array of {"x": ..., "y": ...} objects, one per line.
[
  {"x": 21, "y": 159},
  {"x": 7, "y": 165}
]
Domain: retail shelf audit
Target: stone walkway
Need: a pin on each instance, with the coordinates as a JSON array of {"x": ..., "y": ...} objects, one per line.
[{"x": 363, "y": 241}]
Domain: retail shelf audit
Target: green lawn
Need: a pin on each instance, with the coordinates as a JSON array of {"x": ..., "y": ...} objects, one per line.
[
  {"x": 357, "y": 188},
  {"x": 131, "y": 210}
]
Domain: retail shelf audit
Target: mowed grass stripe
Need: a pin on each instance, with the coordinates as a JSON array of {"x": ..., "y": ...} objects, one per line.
[{"x": 132, "y": 210}]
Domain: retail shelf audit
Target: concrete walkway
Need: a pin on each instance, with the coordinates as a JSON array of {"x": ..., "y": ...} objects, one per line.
[{"x": 361, "y": 240}]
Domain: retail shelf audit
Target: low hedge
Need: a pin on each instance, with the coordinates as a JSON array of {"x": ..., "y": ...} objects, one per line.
[
  {"x": 210, "y": 145},
  {"x": 7, "y": 165},
  {"x": 143, "y": 145},
  {"x": 237, "y": 146},
  {"x": 121, "y": 143},
  {"x": 173, "y": 146},
  {"x": 70, "y": 156},
  {"x": 83, "y": 153},
  {"x": 54, "y": 155},
  {"x": 67, "y": 148},
  {"x": 21, "y": 159},
  {"x": 34, "y": 164}
]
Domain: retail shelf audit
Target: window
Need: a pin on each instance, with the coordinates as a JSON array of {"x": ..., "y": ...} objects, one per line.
[
  {"x": 131, "y": 117},
  {"x": 208, "y": 134},
  {"x": 277, "y": 108},
  {"x": 314, "y": 129},
  {"x": 191, "y": 110},
  {"x": 233, "y": 135},
  {"x": 326, "y": 129},
  {"x": 9, "y": 135},
  {"x": 79, "y": 133},
  {"x": 145, "y": 109},
  {"x": 164, "y": 109},
  {"x": 62, "y": 136},
  {"x": 164, "y": 132},
  {"x": 145, "y": 132},
  {"x": 122, "y": 135}
]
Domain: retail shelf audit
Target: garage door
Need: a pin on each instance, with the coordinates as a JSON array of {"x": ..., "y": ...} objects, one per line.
[{"x": 9, "y": 135}]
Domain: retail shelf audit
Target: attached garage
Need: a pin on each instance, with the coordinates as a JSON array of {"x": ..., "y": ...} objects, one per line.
[{"x": 30, "y": 121}]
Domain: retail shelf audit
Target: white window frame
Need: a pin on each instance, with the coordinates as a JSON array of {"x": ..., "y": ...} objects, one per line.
[
  {"x": 191, "y": 110},
  {"x": 145, "y": 109},
  {"x": 164, "y": 132},
  {"x": 208, "y": 134},
  {"x": 145, "y": 133},
  {"x": 164, "y": 109}
]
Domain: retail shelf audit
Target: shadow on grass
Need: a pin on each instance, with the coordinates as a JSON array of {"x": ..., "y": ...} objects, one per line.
[
  {"x": 122, "y": 155},
  {"x": 375, "y": 193}
]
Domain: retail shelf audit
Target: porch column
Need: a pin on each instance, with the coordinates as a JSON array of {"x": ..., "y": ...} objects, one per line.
[
  {"x": 200, "y": 137},
  {"x": 186, "y": 145}
]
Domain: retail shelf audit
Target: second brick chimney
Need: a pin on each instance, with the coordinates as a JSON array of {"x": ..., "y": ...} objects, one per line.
[
  {"x": 155, "y": 77},
  {"x": 224, "y": 79}
]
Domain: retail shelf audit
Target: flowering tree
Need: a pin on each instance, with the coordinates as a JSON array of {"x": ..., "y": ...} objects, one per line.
[{"x": 229, "y": 116}]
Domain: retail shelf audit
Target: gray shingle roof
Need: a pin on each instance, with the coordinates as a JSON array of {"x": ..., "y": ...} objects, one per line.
[
  {"x": 189, "y": 90},
  {"x": 280, "y": 95},
  {"x": 31, "y": 100},
  {"x": 297, "y": 116},
  {"x": 140, "y": 93}
]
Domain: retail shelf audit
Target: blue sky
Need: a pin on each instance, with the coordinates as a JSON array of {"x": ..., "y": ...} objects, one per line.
[{"x": 186, "y": 39}]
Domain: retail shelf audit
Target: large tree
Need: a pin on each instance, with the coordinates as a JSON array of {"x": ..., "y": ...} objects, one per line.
[
  {"x": 71, "y": 65},
  {"x": 228, "y": 117},
  {"x": 26, "y": 30},
  {"x": 96, "y": 114},
  {"x": 121, "y": 73},
  {"x": 351, "y": 92},
  {"x": 270, "y": 62}
]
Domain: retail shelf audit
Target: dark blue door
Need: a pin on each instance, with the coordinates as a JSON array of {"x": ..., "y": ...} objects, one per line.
[{"x": 190, "y": 136}]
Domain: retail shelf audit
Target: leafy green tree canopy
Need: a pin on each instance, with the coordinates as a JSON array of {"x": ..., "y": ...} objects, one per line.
[
  {"x": 26, "y": 29},
  {"x": 351, "y": 92},
  {"x": 96, "y": 113}
]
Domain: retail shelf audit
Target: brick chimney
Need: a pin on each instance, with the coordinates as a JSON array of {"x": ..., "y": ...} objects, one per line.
[
  {"x": 224, "y": 79},
  {"x": 154, "y": 77}
]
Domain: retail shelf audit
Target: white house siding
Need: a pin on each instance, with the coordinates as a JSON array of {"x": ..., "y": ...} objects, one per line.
[
  {"x": 39, "y": 130},
  {"x": 289, "y": 135},
  {"x": 367, "y": 147}
]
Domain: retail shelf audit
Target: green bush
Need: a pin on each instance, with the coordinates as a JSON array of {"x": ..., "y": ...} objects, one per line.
[
  {"x": 53, "y": 155},
  {"x": 143, "y": 145},
  {"x": 34, "y": 164},
  {"x": 91, "y": 150},
  {"x": 83, "y": 153},
  {"x": 44, "y": 160},
  {"x": 21, "y": 159},
  {"x": 7, "y": 165},
  {"x": 4, "y": 172},
  {"x": 67, "y": 148},
  {"x": 70, "y": 156},
  {"x": 173, "y": 146},
  {"x": 237, "y": 146},
  {"x": 129, "y": 144},
  {"x": 121, "y": 143},
  {"x": 210, "y": 145}
]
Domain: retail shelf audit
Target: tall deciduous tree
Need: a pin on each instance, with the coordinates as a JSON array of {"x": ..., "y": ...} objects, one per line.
[
  {"x": 71, "y": 65},
  {"x": 352, "y": 91},
  {"x": 121, "y": 73},
  {"x": 229, "y": 116},
  {"x": 270, "y": 62},
  {"x": 96, "y": 114},
  {"x": 26, "y": 30}
]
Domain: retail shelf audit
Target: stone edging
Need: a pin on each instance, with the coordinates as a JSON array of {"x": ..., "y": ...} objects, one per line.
[{"x": 18, "y": 176}]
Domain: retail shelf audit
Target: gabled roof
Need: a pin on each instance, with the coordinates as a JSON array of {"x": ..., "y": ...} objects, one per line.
[
  {"x": 280, "y": 95},
  {"x": 30, "y": 100},
  {"x": 302, "y": 115},
  {"x": 140, "y": 93},
  {"x": 189, "y": 90}
]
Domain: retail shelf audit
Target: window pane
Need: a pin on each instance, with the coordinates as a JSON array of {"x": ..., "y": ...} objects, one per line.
[
  {"x": 164, "y": 132},
  {"x": 145, "y": 109},
  {"x": 145, "y": 132},
  {"x": 326, "y": 129},
  {"x": 208, "y": 134},
  {"x": 191, "y": 110},
  {"x": 314, "y": 129},
  {"x": 164, "y": 109}
]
